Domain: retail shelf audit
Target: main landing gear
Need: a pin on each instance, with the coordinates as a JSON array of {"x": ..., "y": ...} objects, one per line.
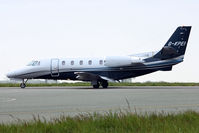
[
  {"x": 23, "y": 84},
  {"x": 96, "y": 84},
  {"x": 104, "y": 84}
]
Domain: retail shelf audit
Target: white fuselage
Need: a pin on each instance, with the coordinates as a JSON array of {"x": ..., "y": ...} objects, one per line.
[{"x": 54, "y": 66}]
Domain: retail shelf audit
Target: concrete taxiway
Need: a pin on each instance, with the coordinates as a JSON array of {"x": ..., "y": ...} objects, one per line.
[{"x": 51, "y": 102}]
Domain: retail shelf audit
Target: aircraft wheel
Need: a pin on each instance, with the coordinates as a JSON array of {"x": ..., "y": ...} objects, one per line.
[
  {"x": 96, "y": 86},
  {"x": 104, "y": 84},
  {"x": 22, "y": 85}
]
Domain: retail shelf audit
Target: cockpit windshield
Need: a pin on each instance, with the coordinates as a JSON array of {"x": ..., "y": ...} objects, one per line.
[{"x": 34, "y": 63}]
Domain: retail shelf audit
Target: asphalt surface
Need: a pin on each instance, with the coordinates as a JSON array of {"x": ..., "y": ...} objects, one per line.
[{"x": 52, "y": 102}]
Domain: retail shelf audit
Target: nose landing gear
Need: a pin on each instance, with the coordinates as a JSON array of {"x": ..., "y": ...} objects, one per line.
[{"x": 23, "y": 84}]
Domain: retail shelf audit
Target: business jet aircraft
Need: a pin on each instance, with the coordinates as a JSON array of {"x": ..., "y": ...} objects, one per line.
[{"x": 110, "y": 68}]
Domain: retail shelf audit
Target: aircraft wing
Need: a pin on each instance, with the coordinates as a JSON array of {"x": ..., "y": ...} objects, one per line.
[{"x": 86, "y": 76}]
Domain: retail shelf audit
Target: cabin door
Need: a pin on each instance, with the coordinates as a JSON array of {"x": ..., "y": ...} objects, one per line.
[{"x": 54, "y": 67}]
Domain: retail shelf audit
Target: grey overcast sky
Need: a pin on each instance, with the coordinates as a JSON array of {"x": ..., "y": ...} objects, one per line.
[{"x": 34, "y": 29}]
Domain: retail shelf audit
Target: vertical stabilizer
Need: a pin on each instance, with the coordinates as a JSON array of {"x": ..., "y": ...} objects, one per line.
[{"x": 176, "y": 45}]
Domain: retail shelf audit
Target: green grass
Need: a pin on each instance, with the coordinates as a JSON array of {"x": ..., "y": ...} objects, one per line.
[
  {"x": 110, "y": 84},
  {"x": 187, "y": 122}
]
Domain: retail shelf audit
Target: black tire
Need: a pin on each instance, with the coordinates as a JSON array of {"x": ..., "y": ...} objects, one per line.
[
  {"x": 104, "y": 84},
  {"x": 22, "y": 85},
  {"x": 96, "y": 86}
]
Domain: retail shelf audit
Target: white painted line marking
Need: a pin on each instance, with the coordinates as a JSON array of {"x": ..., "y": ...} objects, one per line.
[{"x": 7, "y": 99}]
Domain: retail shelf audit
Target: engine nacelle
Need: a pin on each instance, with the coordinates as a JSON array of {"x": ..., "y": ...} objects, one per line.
[{"x": 113, "y": 61}]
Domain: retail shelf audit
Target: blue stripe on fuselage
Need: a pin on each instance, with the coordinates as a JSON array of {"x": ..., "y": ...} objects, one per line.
[{"x": 116, "y": 72}]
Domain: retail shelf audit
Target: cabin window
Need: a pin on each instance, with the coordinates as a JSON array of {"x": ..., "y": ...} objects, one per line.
[
  {"x": 63, "y": 63},
  {"x": 72, "y": 62},
  {"x": 90, "y": 62},
  {"x": 101, "y": 62},
  {"x": 81, "y": 62}
]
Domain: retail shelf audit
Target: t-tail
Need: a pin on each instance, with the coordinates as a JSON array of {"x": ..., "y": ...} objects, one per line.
[{"x": 176, "y": 45}]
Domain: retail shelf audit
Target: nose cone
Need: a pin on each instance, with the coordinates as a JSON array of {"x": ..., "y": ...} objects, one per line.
[
  {"x": 10, "y": 75},
  {"x": 20, "y": 73},
  {"x": 14, "y": 74}
]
